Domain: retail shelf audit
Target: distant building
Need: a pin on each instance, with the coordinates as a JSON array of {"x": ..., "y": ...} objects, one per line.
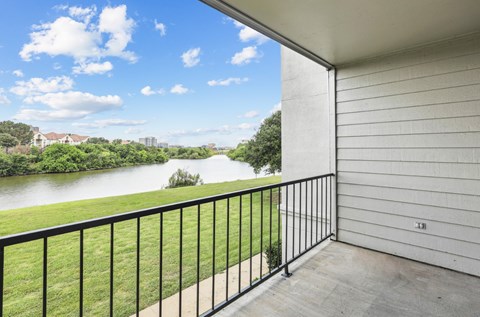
[
  {"x": 211, "y": 146},
  {"x": 43, "y": 140},
  {"x": 148, "y": 141},
  {"x": 175, "y": 146},
  {"x": 126, "y": 142},
  {"x": 162, "y": 145}
]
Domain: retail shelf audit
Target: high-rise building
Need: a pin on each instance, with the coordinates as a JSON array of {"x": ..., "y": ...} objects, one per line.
[{"x": 148, "y": 141}]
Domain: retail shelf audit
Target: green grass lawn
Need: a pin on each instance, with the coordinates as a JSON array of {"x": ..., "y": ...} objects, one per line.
[{"x": 23, "y": 263}]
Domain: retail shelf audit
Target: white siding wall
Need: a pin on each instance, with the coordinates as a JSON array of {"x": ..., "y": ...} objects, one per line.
[{"x": 408, "y": 138}]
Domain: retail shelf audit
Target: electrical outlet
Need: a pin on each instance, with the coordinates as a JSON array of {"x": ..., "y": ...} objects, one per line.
[{"x": 420, "y": 225}]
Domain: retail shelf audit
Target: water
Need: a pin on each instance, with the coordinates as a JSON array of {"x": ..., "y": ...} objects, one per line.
[{"x": 33, "y": 190}]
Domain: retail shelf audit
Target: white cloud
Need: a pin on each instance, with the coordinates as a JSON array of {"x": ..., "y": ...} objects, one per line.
[
  {"x": 92, "y": 68},
  {"x": 84, "y": 14},
  {"x": 148, "y": 91},
  {"x": 68, "y": 105},
  {"x": 160, "y": 27},
  {"x": 36, "y": 85},
  {"x": 179, "y": 89},
  {"x": 248, "y": 34},
  {"x": 224, "y": 129},
  {"x": 114, "y": 20},
  {"x": 77, "y": 37},
  {"x": 190, "y": 58},
  {"x": 227, "y": 82},
  {"x": 276, "y": 108},
  {"x": 244, "y": 57},
  {"x": 109, "y": 122},
  {"x": 3, "y": 99},
  {"x": 133, "y": 131},
  {"x": 17, "y": 73},
  {"x": 249, "y": 114}
]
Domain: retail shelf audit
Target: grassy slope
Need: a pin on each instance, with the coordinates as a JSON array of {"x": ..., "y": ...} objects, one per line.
[{"x": 24, "y": 262}]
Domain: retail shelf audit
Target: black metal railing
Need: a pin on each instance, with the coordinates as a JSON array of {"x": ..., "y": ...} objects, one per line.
[{"x": 151, "y": 256}]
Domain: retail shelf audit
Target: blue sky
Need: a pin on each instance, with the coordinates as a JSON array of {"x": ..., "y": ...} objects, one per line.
[{"x": 176, "y": 70}]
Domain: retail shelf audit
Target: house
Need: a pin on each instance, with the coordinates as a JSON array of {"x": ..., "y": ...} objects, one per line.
[{"x": 42, "y": 140}]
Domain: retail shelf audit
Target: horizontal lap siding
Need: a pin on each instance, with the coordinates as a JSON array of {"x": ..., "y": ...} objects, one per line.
[{"x": 408, "y": 138}]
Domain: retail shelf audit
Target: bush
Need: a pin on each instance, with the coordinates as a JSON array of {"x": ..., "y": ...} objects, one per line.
[
  {"x": 273, "y": 255},
  {"x": 182, "y": 178}
]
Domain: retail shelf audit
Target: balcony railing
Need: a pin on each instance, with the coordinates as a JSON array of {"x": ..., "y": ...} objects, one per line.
[{"x": 155, "y": 253}]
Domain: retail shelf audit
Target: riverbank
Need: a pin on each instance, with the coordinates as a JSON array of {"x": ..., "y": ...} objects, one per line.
[
  {"x": 23, "y": 263},
  {"x": 37, "y": 217},
  {"x": 33, "y": 190}
]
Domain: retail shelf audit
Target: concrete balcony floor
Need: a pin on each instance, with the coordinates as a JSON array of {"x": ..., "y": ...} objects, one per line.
[{"x": 343, "y": 280}]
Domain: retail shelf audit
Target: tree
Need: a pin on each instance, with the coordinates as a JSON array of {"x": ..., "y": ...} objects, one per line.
[
  {"x": 264, "y": 150},
  {"x": 7, "y": 141},
  {"x": 182, "y": 178},
  {"x": 20, "y": 131},
  {"x": 99, "y": 140}
]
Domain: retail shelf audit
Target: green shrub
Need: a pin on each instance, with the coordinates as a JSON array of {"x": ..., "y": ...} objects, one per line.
[
  {"x": 182, "y": 178},
  {"x": 273, "y": 255}
]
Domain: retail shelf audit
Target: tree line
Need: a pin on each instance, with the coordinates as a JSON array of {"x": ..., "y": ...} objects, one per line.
[{"x": 19, "y": 158}]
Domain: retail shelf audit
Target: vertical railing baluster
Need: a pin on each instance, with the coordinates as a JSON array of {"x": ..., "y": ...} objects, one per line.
[
  {"x": 180, "y": 273},
  {"x": 261, "y": 234},
  {"x": 325, "y": 202},
  {"x": 316, "y": 205},
  {"x": 330, "y": 177},
  {"x": 306, "y": 216},
  {"x": 138, "y": 268},
  {"x": 286, "y": 272},
  {"x": 228, "y": 249},
  {"x": 45, "y": 272},
  {"x": 251, "y": 228},
  {"x": 2, "y": 276},
  {"x": 213, "y": 253},
  {"x": 160, "y": 273},
  {"x": 112, "y": 237},
  {"x": 300, "y": 219},
  {"x": 311, "y": 212},
  {"x": 321, "y": 209},
  {"x": 81, "y": 275},
  {"x": 240, "y": 247},
  {"x": 270, "y": 231},
  {"x": 293, "y": 222},
  {"x": 279, "y": 225},
  {"x": 198, "y": 260}
]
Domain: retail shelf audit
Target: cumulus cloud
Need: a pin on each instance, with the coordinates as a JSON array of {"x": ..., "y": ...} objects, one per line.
[
  {"x": 249, "y": 114},
  {"x": 160, "y": 27},
  {"x": 179, "y": 89},
  {"x": 92, "y": 68},
  {"x": 109, "y": 122},
  {"x": 36, "y": 85},
  {"x": 17, "y": 73},
  {"x": 227, "y": 82},
  {"x": 248, "y": 34},
  {"x": 148, "y": 91},
  {"x": 3, "y": 99},
  {"x": 245, "y": 56},
  {"x": 85, "y": 41},
  {"x": 190, "y": 58},
  {"x": 68, "y": 105},
  {"x": 84, "y": 14}
]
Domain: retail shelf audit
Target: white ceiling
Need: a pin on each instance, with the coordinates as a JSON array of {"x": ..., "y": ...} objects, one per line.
[{"x": 343, "y": 31}]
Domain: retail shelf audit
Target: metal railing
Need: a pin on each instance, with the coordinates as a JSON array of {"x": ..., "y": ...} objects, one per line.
[{"x": 195, "y": 240}]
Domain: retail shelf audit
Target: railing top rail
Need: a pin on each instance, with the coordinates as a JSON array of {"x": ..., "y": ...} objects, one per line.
[{"x": 97, "y": 222}]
